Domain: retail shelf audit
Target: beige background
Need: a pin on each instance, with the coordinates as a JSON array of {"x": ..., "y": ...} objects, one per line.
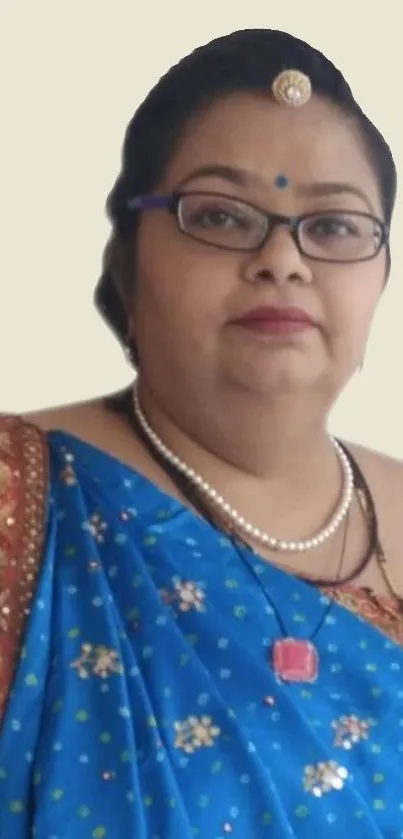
[{"x": 72, "y": 73}]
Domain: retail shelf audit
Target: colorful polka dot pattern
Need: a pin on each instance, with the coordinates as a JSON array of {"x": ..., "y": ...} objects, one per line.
[{"x": 145, "y": 705}]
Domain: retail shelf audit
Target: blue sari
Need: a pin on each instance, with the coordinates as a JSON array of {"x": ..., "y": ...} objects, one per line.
[{"x": 144, "y": 704}]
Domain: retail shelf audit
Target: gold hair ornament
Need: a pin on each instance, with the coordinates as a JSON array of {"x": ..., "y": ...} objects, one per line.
[{"x": 292, "y": 88}]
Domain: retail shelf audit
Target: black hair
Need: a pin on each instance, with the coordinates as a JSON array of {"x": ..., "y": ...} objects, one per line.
[{"x": 244, "y": 61}]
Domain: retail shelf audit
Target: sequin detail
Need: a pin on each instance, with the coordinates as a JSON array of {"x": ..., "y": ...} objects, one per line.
[
  {"x": 97, "y": 661},
  {"x": 324, "y": 777},
  {"x": 23, "y": 485},
  {"x": 195, "y": 733},
  {"x": 187, "y": 596},
  {"x": 350, "y": 730}
]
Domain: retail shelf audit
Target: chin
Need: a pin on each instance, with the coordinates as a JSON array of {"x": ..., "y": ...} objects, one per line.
[{"x": 280, "y": 376}]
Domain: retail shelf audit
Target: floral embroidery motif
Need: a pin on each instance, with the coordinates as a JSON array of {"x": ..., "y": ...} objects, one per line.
[
  {"x": 68, "y": 476},
  {"x": 350, "y": 730},
  {"x": 97, "y": 661},
  {"x": 190, "y": 597},
  {"x": 187, "y": 595},
  {"x": 324, "y": 777},
  {"x": 97, "y": 527},
  {"x": 195, "y": 733}
]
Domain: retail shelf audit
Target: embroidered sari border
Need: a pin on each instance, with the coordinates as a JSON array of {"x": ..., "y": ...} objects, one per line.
[{"x": 23, "y": 491}]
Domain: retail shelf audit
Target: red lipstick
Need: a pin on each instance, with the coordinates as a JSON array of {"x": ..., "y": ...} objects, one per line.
[{"x": 275, "y": 320}]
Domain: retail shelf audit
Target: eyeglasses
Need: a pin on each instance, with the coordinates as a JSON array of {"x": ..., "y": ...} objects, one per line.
[{"x": 223, "y": 221}]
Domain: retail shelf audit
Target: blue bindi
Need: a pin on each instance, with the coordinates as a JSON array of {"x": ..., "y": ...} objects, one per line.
[{"x": 281, "y": 182}]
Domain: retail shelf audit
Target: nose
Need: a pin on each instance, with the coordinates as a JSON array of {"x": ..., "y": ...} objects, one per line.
[{"x": 278, "y": 261}]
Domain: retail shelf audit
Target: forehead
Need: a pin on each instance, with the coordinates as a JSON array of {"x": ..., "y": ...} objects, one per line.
[{"x": 313, "y": 143}]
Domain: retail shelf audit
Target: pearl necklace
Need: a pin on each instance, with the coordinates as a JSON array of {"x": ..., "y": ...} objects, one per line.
[{"x": 232, "y": 515}]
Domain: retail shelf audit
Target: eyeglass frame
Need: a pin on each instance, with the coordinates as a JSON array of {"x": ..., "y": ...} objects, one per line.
[{"x": 171, "y": 203}]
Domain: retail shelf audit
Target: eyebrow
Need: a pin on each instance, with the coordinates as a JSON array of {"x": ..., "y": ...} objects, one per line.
[
  {"x": 242, "y": 178},
  {"x": 239, "y": 177},
  {"x": 329, "y": 188}
]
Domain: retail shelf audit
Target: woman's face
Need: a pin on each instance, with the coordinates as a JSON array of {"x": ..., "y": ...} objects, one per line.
[{"x": 188, "y": 293}]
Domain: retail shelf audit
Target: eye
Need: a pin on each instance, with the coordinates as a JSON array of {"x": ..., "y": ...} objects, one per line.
[
  {"x": 221, "y": 217},
  {"x": 215, "y": 213},
  {"x": 335, "y": 226},
  {"x": 214, "y": 218}
]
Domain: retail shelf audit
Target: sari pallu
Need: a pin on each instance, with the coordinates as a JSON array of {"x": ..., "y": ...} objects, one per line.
[{"x": 145, "y": 704}]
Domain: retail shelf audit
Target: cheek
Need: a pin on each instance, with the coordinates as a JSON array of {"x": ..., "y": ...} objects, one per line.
[
  {"x": 182, "y": 286},
  {"x": 350, "y": 303}
]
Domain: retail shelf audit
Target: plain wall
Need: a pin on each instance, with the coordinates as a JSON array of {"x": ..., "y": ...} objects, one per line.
[{"x": 72, "y": 73}]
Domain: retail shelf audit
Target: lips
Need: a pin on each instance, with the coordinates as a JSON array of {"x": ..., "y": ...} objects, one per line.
[{"x": 274, "y": 315}]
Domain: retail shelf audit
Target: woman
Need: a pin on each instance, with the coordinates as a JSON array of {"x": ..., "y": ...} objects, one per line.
[{"x": 184, "y": 672}]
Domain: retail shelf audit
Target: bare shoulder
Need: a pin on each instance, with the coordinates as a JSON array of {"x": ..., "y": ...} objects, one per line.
[
  {"x": 73, "y": 418},
  {"x": 92, "y": 421},
  {"x": 383, "y": 472},
  {"x": 96, "y": 423}
]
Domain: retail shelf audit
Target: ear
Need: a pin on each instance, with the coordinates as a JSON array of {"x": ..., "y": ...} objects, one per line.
[
  {"x": 387, "y": 269},
  {"x": 112, "y": 294},
  {"x": 116, "y": 265}
]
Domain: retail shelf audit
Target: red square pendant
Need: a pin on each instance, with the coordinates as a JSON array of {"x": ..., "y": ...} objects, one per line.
[{"x": 295, "y": 660}]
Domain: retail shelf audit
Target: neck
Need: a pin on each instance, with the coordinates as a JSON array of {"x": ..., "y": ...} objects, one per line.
[{"x": 257, "y": 457}]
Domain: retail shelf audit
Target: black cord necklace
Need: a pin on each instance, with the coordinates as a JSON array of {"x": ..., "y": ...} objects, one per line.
[{"x": 294, "y": 659}]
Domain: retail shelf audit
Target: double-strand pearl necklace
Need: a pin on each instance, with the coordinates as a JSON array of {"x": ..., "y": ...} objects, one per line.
[{"x": 232, "y": 515}]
